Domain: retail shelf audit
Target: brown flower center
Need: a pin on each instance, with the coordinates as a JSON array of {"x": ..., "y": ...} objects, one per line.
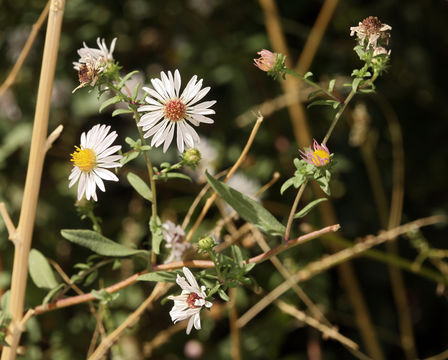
[
  {"x": 175, "y": 110},
  {"x": 372, "y": 25},
  {"x": 192, "y": 299}
]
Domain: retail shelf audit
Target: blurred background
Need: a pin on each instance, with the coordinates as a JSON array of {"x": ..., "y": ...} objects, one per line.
[{"x": 217, "y": 41}]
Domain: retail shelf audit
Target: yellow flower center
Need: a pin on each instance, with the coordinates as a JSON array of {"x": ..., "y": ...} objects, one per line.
[
  {"x": 323, "y": 155},
  {"x": 175, "y": 110},
  {"x": 85, "y": 159}
]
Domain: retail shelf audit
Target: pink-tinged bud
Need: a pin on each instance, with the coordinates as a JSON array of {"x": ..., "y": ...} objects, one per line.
[{"x": 266, "y": 61}]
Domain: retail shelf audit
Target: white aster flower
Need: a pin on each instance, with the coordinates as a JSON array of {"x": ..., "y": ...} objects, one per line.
[
  {"x": 372, "y": 30},
  {"x": 168, "y": 111},
  {"x": 101, "y": 55},
  {"x": 92, "y": 159},
  {"x": 190, "y": 302},
  {"x": 174, "y": 237}
]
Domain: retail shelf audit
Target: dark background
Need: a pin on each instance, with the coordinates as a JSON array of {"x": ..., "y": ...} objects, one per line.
[{"x": 217, "y": 40}]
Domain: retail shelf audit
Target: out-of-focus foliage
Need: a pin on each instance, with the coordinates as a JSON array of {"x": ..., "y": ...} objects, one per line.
[{"x": 217, "y": 40}]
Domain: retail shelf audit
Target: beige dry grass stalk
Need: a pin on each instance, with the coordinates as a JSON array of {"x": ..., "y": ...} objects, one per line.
[{"x": 25, "y": 227}]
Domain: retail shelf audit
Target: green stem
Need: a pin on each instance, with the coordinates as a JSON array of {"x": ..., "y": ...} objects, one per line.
[
  {"x": 293, "y": 210},
  {"x": 312, "y": 83},
  {"x": 215, "y": 261},
  {"x": 338, "y": 115}
]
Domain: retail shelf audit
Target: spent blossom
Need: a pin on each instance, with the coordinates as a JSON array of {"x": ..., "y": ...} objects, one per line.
[
  {"x": 189, "y": 303},
  {"x": 174, "y": 238},
  {"x": 92, "y": 159},
  {"x": 372, "y": 31},
  {"x": 93, "y": 62},
  {"x": 318, "y": 156},
  {"x": 167, "y": 111}
]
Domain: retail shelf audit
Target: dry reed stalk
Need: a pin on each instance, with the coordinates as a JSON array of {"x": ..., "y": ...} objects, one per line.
[{"x": 23, "y": 234}]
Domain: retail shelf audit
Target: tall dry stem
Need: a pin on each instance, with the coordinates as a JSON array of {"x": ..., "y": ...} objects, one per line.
[{"x": 23, "y": 234}]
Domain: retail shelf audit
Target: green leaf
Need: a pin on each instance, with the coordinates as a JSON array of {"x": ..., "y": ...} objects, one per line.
[
  {"x": 140, "y": 186},
  {"x": 40, "y": 270},
  {"x": 126, "y": 78},
  {"x": 155, "y": 225},
  {"x": 99, "y": 244},
  {"x": 331, "y": 85},
  {"x": 355, "y": 84},
  {"x": 308, "y": 208},
  {"x": 248, "y": 209},
  {"x": 4, "y": 303},
  {"x": 51, "y": 294},
  {"x": 121, "y": 111},
  {"x": 307, "y": 75},
  {"x": 130, "y": 141},
  {"x": 324, "y": 103},
  {"x": 108, "y": 102},
  {"x": 314, "y": 93},
  {"x": 237, "y": 255},
  {"x": 129, "y": 156},
  {"x": 287, "y": 184},
  {"x": 249, "y": 267},
  {"x": 172, "y": 175},
  {"x": 162, "y": 276},
  {"x": 222, "y": 294}
]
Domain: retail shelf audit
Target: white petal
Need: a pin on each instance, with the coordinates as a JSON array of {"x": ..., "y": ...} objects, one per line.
[
  {"x": 191, "y": 279},
  {"x": 199, "y": 95},
  {"x": 169, "y": 137},
  {"x": 105, "y": 174},
  {"x": 197, "y": 321},
  {"x": 99, "y": 183},
  {"x": 82, "y": 185},
  {"x": 190, "y": 325},
  {"x": 180, "y": 139},
  {"x": 177, "y": 82}
]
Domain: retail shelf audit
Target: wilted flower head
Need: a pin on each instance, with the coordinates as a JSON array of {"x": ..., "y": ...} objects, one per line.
[
  {"x": 174, "y": 238},
  {"x": 190, "y": 302},
  {"x": 320, "y": 156},
  {"x": 92, "y": 159},
  {"x": 93, "y": 62},
  {"x": 168, "y": 111},
  {"x": 272, "y": 63},
  {"x": 370, "y": 31}
]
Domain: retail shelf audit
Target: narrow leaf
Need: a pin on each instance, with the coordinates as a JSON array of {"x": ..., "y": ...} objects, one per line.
[
  {"x": 313, "y": 93},
  {"x": 155, "y": 225},
  {"x": 331, "y": 85},
  {"x": 121, "y": 111},
  {"x": 248, "y": 209},
  {"x": 98, "y": 243},
  {"x": 108, "y": 102},
  {"x": 126, "y": 78},
  {"x": 307, "y": 75},
  {"x": 40, "y": 270},
  {"x": 323, "y": 102},
  {"x": 288, "y": 183},
  {"x": 355, "y": 84},
  {"x": 140, "y": 186},
  {"x": 308, "y": 208},
  {"x": 51, "y": 294},
  {"x": 172, "y": 175},
  {"x": 163, "y": 276}
]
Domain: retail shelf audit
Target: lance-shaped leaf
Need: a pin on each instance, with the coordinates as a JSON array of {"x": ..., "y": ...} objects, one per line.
[
  {"x": 140, "y": 186},
  {"x": 40, "y": 270},
  {"x": 163, "y": 276},
  {"x": 248, "y": 209},
  {"x": 99, "y": 244},
  {"x": 308, "y": 208}
]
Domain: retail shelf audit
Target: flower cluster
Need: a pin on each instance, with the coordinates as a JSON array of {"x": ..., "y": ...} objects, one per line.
[
  {"x": 93, "y": 62},
  {"x": 189, "y": 303}
]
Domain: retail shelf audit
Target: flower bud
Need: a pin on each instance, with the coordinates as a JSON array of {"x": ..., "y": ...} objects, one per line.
[
  {"x": 272, "y": 63},
  {"x": 191, "y": 157},
  {"x": 206, "y": 243}
]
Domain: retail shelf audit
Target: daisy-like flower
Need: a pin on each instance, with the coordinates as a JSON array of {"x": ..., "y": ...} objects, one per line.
[
  {"x": 189, "y": 303},
  {"x": 174, "y": 237},
  {"x": 319, "y": 157},
  {"x": 167, "y": 111},
  {"x": 92, "y": 159},
  {"x": 371, "y": 29}
]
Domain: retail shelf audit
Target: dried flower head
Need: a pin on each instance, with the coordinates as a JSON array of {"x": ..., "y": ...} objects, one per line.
[
  {"x": 371, "y": 30},
  {"x": 174, "y": 238},
  {"x": 320, "y": 156}
]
